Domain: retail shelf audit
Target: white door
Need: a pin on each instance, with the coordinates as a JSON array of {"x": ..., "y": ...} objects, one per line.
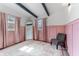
[{"x": 29, "y": 32}]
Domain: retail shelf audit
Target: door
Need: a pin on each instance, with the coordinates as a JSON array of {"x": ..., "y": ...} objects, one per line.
[{"x": 29, "y": 32}]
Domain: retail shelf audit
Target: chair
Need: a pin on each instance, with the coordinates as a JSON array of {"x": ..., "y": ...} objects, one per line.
[{"x": 61, "y": 37}]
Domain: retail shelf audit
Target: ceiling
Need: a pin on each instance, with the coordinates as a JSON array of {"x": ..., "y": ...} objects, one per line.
[{"x": 36, "y": 8}]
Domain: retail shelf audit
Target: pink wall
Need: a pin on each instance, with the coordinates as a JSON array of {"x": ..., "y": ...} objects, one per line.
[
  {"x": 52, "y": 31},
  {"x": 72, "y": 30}
]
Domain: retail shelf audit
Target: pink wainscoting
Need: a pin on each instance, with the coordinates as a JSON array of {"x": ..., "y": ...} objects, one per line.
[
  {"x": 52, "y": 31},
  {"x": 10, "y": 37},
  {"x": 60, "y": 29},
  {"x": 41, "y": 36},
  {"x": 22, "y": 33},
  {"x": 72, "y": 30}
]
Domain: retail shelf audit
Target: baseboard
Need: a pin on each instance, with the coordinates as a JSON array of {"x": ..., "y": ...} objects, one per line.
[
  {"x": 42, "y": 41},
  {"x": 11, "y": 45}
]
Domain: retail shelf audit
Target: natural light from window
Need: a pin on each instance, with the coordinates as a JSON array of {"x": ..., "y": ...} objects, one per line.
[{"x": 26, "y": 49}]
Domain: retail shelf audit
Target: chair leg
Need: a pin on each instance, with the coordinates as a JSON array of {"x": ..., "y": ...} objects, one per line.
[
  {"x": 57, "y": 45},
  {"x": 51, "y": 43}
]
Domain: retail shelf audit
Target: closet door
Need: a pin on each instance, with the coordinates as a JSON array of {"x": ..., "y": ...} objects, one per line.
[
  {"x": 1, "y": 32},
  {"x": 76, "y": 38},
  {"x": 69, "y": 31}
]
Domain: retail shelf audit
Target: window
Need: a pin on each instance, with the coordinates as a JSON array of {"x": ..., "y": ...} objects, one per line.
[
  {"x": 10, "y": 23},
  {"x": 40, "y": 24}
]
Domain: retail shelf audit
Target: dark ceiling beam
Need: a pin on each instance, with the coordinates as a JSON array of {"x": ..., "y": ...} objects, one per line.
[
  {"x": 45, "y": 8},
  {"x": 27, "y": 10}
]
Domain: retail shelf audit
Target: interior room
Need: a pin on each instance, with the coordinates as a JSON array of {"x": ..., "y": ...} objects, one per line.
[{"x": 39, "y": 29}]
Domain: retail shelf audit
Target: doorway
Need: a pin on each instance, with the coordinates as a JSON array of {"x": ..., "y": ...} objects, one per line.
[{"x": 29, "y": 31}]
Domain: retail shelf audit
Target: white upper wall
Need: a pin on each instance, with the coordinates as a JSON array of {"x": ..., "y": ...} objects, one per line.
[
  {"x": 59, "y": 15},
  {"x": 73, "y": 12},
  {"x": 64, "y": 15}
]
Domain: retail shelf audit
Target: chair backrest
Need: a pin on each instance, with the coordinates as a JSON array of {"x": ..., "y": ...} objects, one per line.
[{"x": 61, "y": 37}]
